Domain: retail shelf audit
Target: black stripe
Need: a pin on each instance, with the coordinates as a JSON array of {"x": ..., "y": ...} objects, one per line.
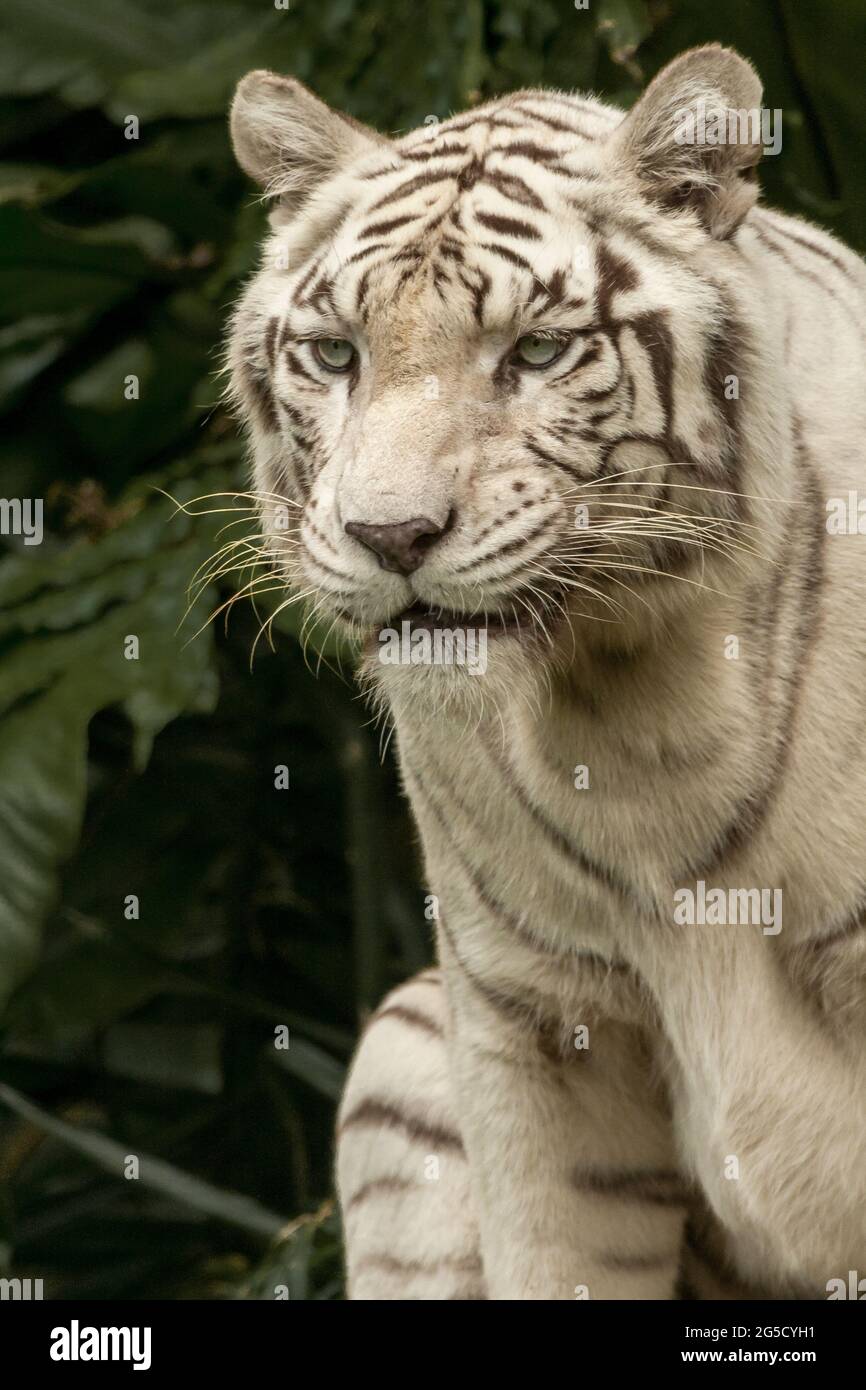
[
  {"x": 383, "y": 173},
  {"x": 362, "y": 288},
  {"x": 441, "y": 153},
  {"x": 544, "y": 457},
  {"x": 413, "y": 1017},
  {"x": 654, "y": 335},
  {"x": 516, "y": 925},
  {"x": 393, "y": 1264},
  {"x": 270, "y": 339},
  {"x": 605, "y": 222},
  {"x": 753, "y": 810},
  {"x": 527, "y": 1012},
  {"x": 374, "y": 1188},
  {"x": 298, "y": 368},
  {"x": 305, "y": 279},
  {"x": 479, "y": 290},
  {"x": 553, "y": 124},
  {"x": 663, "y": 1187},
  {"x": 512, "y": 186},
  {"x": 528, "y": 149},
  {"x": 471, "y": 119},
  {"x": 851, "y": 928},
  {"x": 367, "y": 251},
  {"x": 614, "y": 276},
  {"x": 808, "y": 274},
  {"x": 390, "y": 225},
  {"x": 412, "y": 185},
  {"x": 786, "y": 231},
  {"x": 508, "y": 226},
  {"x": 506, "y": 253},
  {"x": 508, "y": 548},
  {"x": 602, "y": 874},
  {"x": 639, "y": 1264},
  {"x": 258, "y": 388},
  {"x": 381, "y": 1113}
]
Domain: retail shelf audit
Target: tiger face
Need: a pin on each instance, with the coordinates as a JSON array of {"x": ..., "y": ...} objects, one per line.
[{"x": 485, "y": 365}]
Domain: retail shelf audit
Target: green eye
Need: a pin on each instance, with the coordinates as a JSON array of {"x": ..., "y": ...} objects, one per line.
[
  {"x": 538, "y": 350},
  {"x": 334, "y": 353}
]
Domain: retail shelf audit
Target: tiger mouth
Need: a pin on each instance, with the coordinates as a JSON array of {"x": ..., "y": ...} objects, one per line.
[
  {"x": 517, "y": 617},
  {"x": 424, "y": 619}
]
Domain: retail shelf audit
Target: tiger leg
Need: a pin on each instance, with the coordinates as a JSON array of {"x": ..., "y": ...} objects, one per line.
[
  {"x": 410, "y": 1221},
  {"x": 570, "y": 1144},
  {"x": 402, "y": 1176}
]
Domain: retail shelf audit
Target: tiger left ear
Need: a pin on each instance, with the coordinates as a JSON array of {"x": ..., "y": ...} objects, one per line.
[
  {"x": 695, "y": 133},
  {"x": 289, "y": 141}
]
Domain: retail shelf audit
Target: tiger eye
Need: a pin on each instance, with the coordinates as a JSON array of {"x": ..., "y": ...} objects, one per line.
[
  {"x": 537, "y": 350},
  {"x": 337, "y": 354}
]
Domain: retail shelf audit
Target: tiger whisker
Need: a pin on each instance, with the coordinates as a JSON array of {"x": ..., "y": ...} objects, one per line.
[
  {"x": 288, "y": 601},
  {"x": 253, "y": 585},
  {"x": 664, "y": 574},
  {"x": 241, "y": 567},
  {"x": 217, "y": 572},
  {"x": 677, "y": 463}
]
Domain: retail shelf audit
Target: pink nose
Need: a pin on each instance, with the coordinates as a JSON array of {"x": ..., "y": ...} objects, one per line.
[{"x": 400, "y": 547}]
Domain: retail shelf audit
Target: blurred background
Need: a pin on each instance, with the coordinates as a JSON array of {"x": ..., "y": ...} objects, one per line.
[{"x": 165, "y": 906}]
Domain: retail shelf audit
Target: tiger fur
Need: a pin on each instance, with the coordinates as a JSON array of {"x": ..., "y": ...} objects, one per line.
[{"x": 586, "y": 1099}]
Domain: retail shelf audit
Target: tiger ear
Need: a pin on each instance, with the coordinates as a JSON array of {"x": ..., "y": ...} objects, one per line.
[
  {"x": 287, "y": 140},
  {"x": 694, "y": 133}
]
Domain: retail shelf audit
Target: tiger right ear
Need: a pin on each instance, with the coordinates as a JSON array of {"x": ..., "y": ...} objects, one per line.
[
  {"x": 287, "y": 140},
  {"x": 694, "y": 133}
]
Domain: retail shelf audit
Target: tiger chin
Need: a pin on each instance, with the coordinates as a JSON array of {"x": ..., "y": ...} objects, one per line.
[{"x": 546, "y": 384}]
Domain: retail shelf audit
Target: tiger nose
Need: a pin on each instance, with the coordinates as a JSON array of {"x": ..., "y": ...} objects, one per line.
[{"x": 401, "y": 546}]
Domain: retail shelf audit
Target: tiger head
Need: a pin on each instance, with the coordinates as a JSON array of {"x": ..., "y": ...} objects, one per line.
[{"x": 498, "y": 372}]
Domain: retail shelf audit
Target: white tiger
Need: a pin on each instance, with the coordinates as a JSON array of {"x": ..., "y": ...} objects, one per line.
[{"x": 549, "y": 372}]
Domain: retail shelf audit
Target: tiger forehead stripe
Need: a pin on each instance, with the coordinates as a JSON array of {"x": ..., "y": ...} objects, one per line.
[
  {"x": 506, "y": 253},
  {"x": 528, "y": 149},
  {"x": 365, "y": 251},
  {"x": 382, "y": 228},
  {"x": 305, "y": 279},
  {"x": 615, "y": 275},
  {"x": 507, "y": 226},
  {"x": 512, "y": 186},
  {"x": 561, "y": 126},
  {"x": 440, "y": 152},
  {"x": 404, "y": 190}
]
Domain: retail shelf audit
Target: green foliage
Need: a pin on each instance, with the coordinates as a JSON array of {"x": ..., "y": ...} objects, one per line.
[{"x": 150, "y": 1031}]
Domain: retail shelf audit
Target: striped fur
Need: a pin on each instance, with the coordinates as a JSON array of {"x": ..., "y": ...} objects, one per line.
[{"x": 706, "y": 403}]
